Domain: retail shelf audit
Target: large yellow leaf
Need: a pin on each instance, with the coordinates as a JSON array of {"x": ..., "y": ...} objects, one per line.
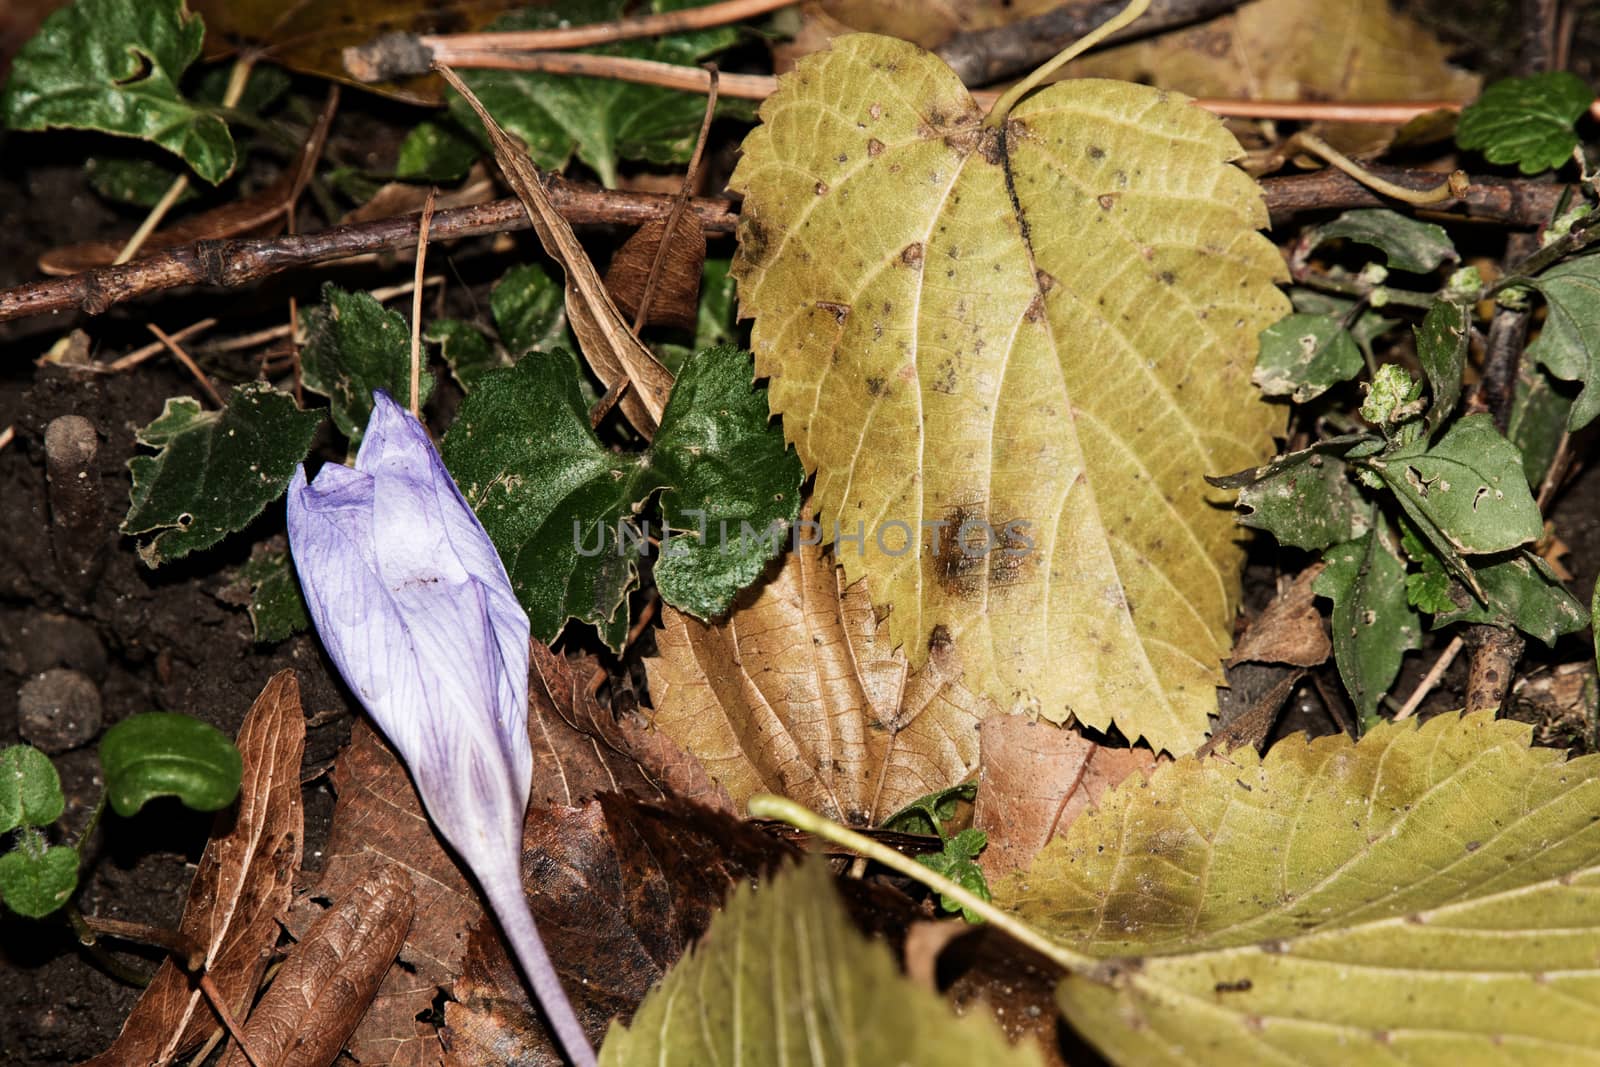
[
  {"x": 797, "y": 692},
  {"x": 1049, "y": 323},
  {"x": 1427, "y": 896}
]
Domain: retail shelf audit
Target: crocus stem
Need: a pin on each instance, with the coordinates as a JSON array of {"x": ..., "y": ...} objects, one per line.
[{"x": 510, "y": 906}]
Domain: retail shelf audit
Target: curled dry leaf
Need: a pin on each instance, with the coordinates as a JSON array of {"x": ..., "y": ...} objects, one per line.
[
  {"x": 1290, "y": 630},
  {"x": 324, "y": 987},
  {"x": 581, "y": 749},
  {"x": 676, "y": 300},
  {"x": 239, "y": 892},
  {"x": 1036, "y": 779},
  {"x": 604, "y": 335},
  {"x": 798, "y": 692},
  {"x": 619, "y": 888},
  {"x": 378, "y": 823},
  {"x": 1353, "y": 50}
]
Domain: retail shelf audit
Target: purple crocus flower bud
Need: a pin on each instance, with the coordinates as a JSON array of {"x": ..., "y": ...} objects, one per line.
[{"x": 415, "y": 608}]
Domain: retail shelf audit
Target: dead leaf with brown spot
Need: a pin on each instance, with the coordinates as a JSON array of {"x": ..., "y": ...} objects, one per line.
[
  {"x": 1291, "y": 629},
  {"x": 1035, "y": 780},
  {"x": 605, "y": 337},
  {"x": 240, "y": 890},
  {"x": 324, "y": 987},
  {"x": 581, "y": 749},
  {"x": 1347, "y": 50},
  {"x": 378, "y": 822},
  {"x": 796, "y": 692},
  {"x": 619, "y": 888},
  {"x": 676, "y": 300}
]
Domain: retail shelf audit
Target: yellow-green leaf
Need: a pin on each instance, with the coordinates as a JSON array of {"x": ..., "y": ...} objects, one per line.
[
  {"x": 782, "y": 979},
  {"x": 1043, "y": 330},
  {"x": 1427, "y": 896}
]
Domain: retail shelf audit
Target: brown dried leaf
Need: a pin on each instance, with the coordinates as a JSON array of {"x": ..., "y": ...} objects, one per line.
[
  {"x": 1290, "y": 630},
  {"x": 379, "y": 822},
  {"x": 240, "y": 890},
  {"x": 604, "y": 335},
  {"x": 796, "y": 692},
  {"x": 581, "y": 749},
  {"x": 930, "y": 23},
  {"x": 676, "y": 301},
  {"x": 1350, "y": 50},
  {"x": 311, "y": 38},
  {"x": 1036, "y": 779},
  {"x": 619, "y": 888},
  {"x": 330, "y": 977}
]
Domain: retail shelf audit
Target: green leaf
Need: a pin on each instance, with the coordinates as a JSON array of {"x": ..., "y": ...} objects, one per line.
[
  {"x": 716, "y": 319},
  {"x": 732, "y": 486},
  {"x": 216, "y": 470},
  {"x": 958, "y": 862},
  {"x": 604, "y": 120},
  {"x": 1422, "y": 897},
  {"x": 1568, "y": 345},
  {"x": 30, "y": 789},
  {"x": 559, "y": 505},
  {"x": 355, "y": 345},
  {"x": 1305, "y": 499},
  {"x": 530, "y": 311},
  {"x": 114, "y": 66},
  {"x": 928, "y": 814},
  {"x": 1407, "y": 244},
  {"x": 1303, "y": 356},
  {"x": 277, "y": 608},
  {"x": 1368, "y": 327},
  {"x": 132, "y": 180},
  {"x": 1427, "y": 590},
  {"x": 1373, "y": 624},
  {"x": 467, "y": 351},
  {"x": 1467, "y": 492},
  {"x": 781, "y": 978},
  {"x": 1442, "y": 350},
  {"x": 162, "y": 753},
  {"x": 1520, "y": 591},
  {"x": 436, "y": 152},
  {"x": 1538, "y": 419},
  {"x": 1526, "y": 121},
  {"x": 36, "y": 880}
]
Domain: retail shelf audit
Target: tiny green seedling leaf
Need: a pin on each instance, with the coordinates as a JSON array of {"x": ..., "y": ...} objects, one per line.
[
  {"x": 928, "y": 814},
  {"x": 1467, "y": 492},
  {"x": 958, "y": 862},
  {"x": 30, "y": 789},
  {"x": 216, "y": 470},
  {"x": 436, "y": 152},
  {"x": 1373, "y": 624},
  {"x": 1569, "y": 344},
  {"x": 114, "y": 66},
  {"x": 36, "y": 879},
  {"x": 1428, "y": 589},
  {"x": 162, "y": 753},
  {"x": 355, "y": 345},
  {"x": 1526, "y": 121},
  {"x": 1521, "y": 591},
  {"x": 1303, "y": 356},
  {"x": 277, "y": 608},
  {"x": 1407, "y": 244},
  {"x": 559, "y": 505},
  {"x": 781, "y": 977},
  {"x": 604, "y": 121},
  {"x": 1442, "y": 350}
]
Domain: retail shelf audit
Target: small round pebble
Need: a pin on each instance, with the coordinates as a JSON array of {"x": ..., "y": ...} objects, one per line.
[{"x": 58, "y": 710}]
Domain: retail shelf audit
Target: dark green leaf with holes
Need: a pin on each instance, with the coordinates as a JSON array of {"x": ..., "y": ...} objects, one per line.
[
  {"x": 355, "y": 345},
  {"x": 1373, "y": 625},
  {"x": 1407, "y": 244},
  {"x": 1303, "y": 356}
]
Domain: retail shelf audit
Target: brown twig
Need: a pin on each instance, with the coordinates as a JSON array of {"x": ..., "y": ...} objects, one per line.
[
  {"x": 139, "y": 355},
  {"x": 193, "y": 368},
  {"x": 423, "y": 226},
  {"x": 232, "y": 263},
  {"x": 1429, "y": 680},
  {"x": 400, "y": 55},
  {"x": 985, "y": 56},
  {"x": 618, "y": 68}
]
